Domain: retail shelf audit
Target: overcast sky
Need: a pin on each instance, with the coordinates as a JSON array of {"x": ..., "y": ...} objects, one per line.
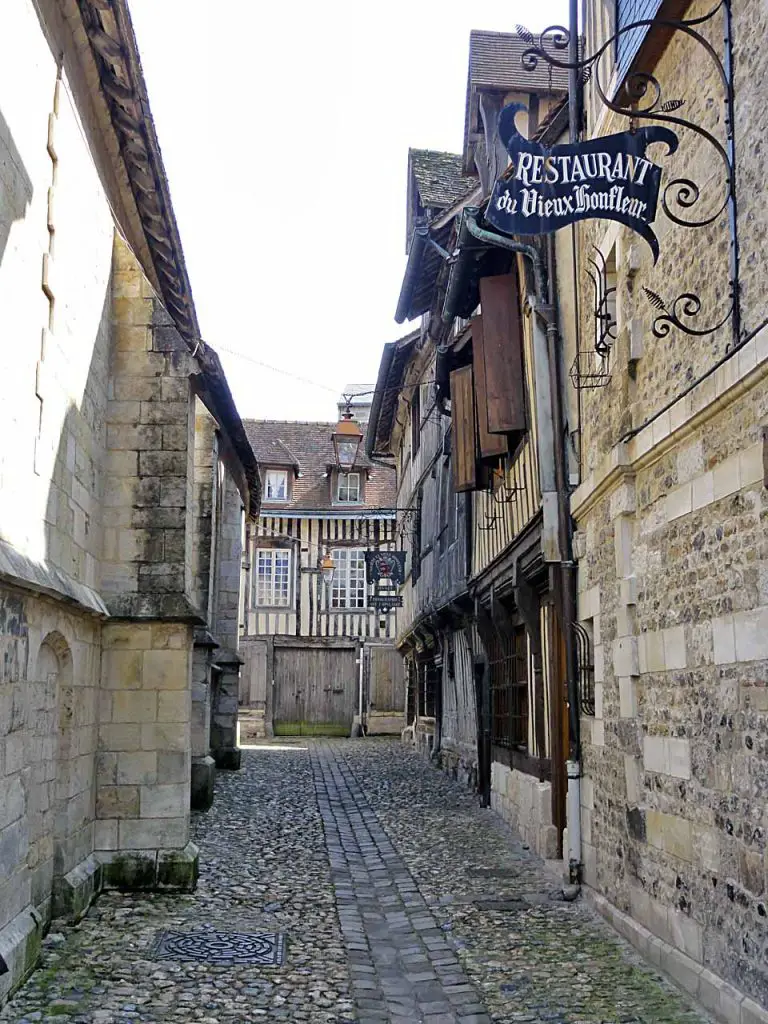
[{"x": 285, "y": 130}]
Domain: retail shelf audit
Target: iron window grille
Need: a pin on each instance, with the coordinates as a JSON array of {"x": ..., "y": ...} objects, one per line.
[
  {"x": 585, "y": 667},
  {"x": 508, "y": 668}
]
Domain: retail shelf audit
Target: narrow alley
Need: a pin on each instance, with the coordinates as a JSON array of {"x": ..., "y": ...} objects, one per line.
[{"x": 399, "y": 900}]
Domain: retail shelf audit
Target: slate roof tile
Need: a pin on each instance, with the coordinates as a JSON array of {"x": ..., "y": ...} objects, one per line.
[{"x": 439, "y": 178}]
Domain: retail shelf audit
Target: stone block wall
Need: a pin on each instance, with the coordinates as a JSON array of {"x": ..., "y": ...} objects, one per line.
[
  {"x": 672, "y": 562},
  {"x": 673, "y": 590},
  {"x": 49, "y": 676},
  {"x": 144, "y": 760},
  {"x": 526, "y": 804},
  {"x": 150, "y": 413}
]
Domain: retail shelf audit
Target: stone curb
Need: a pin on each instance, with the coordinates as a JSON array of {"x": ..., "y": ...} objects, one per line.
[{"x": 717, "y": 996}]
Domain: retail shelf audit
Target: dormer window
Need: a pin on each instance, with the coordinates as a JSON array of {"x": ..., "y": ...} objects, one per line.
[
  {"x": 348, "y": 488},
  {"x": 276, "y": 485}
]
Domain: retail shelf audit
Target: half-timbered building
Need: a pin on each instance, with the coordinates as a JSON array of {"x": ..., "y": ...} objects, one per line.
[
  {"x": 319, "y": 655},
  {"x": 480, "y": 627}
]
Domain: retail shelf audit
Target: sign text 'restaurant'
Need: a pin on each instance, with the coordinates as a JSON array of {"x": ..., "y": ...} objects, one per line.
[{"x": 546, "y": 189}]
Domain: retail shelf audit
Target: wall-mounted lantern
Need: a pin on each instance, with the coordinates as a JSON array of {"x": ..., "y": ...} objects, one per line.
[
  {"x": 327, "y": 568},
  {"x": 346, "y": 438}
]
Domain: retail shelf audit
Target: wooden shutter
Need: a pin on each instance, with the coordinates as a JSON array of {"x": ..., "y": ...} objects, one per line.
[
  {"x": 491, "y": 445},
  {"x": 503, "y": 353},
  {"x": 463, "y": 429}
]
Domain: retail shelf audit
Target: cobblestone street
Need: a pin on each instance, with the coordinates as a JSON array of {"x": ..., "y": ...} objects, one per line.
[{"x": 400, "y": 900}]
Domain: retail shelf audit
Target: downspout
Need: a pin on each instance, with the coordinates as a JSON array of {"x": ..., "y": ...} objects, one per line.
[{"x": 567, "y": 580}]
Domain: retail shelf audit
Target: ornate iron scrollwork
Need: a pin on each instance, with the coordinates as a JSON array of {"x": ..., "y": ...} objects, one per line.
[
  {"x": 641, "y": 97},
  {"x": 604, "y": 304}
]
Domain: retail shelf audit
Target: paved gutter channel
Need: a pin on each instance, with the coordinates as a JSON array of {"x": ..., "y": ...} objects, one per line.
[{"x": 401, "y": 901}]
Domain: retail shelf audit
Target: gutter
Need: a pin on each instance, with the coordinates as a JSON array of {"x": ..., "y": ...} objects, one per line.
[
  {"x": 387, "y": 355},
  {"x": 418, "y": 244}
]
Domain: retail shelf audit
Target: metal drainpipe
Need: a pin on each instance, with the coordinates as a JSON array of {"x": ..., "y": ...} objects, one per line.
[
  {"x": 566, "y": 565},
  {"x": 567, "y": 573}
]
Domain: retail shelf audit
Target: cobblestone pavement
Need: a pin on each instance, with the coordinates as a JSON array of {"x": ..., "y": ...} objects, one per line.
[{"x": 400, "y": 899}]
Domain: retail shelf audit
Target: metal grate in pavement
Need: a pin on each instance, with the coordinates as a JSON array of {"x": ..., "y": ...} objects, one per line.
[{"x": 221, "y": 947}]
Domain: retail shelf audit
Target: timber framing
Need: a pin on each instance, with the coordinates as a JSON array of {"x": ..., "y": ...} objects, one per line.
[{"x": 108, "y": 27}]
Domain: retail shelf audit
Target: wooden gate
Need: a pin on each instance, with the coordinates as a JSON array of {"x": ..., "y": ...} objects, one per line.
[{"x": 315, "y": 690}]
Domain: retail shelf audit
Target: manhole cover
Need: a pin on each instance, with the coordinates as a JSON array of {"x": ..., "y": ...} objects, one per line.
[{"x": 221, "y": 947}]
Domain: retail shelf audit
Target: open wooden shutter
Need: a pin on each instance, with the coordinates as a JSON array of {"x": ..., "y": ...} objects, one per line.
[
  {"x": 503, "y": 354},
  {"x": 491, "y": 445},
  {"x": 463, "y": 429}
]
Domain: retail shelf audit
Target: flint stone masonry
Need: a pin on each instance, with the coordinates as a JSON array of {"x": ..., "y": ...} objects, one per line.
[{"x": 677, "y": 838}]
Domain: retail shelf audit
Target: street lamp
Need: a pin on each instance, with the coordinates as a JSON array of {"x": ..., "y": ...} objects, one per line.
[
  {"x": 346, "y": 438},
  {"x": 327, "y": 568}
]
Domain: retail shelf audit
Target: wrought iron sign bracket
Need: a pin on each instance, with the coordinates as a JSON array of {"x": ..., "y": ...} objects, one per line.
[{"x": 642, "y": 98}]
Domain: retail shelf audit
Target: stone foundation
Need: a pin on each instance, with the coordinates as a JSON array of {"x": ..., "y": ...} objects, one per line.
[
  {"x": 526, "y": 804},
  {"x": 203, "y": 779},
  {"x": 175, "y": 870},
  {"x": 459, "y": 761}
]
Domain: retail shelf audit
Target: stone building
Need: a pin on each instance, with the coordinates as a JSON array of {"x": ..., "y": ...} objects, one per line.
[
  {"x": 670, "y": 513},
  {"x": 319, "y": 655},
  {"x": 661, "y": 367},
  {"x": 124, "y": 473}
]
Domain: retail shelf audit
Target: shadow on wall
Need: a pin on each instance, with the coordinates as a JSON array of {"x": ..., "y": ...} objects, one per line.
[{"x": 16, "y": 189}]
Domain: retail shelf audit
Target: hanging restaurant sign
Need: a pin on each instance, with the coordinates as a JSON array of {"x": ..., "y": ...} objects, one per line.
[
  {"x": 608, "y": 177},
  {"x": 385, "y": 565}
]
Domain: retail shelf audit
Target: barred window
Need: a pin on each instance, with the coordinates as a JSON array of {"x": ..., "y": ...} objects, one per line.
[
  {"x": 348, "y": 589},
  {"x": 349, "y": 487},
  {"x": 272, "y": 577},
  {"x": 508, "y": 665}
]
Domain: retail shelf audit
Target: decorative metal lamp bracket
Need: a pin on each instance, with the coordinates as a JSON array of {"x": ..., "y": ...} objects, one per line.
[{"x": 642, "y": 99}]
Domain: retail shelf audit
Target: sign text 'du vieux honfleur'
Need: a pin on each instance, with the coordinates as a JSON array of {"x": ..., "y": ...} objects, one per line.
[{"x": 608, "y": 177}]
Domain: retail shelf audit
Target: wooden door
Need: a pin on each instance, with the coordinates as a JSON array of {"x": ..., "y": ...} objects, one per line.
[
  {"x": 315, "y": 690},
  {"x": 386, "y": 685}
]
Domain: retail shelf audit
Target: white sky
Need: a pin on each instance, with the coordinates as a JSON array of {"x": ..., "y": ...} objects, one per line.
[{"x": 285, "y": 130}]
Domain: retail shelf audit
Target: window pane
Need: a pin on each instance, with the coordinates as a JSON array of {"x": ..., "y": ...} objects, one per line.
[
  {"x": 349, "y": 487},
  {"x": 348, "y": 589},
  {"x": 273, "y": 576},
  {"x": 277, "y": 485}
]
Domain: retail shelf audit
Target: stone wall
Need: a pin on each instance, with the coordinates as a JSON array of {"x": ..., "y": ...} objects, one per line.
[
  {"x": 105, "y": 538},
  {"x": 672, "y": 578},
  {"x": 143, "y": 781}
]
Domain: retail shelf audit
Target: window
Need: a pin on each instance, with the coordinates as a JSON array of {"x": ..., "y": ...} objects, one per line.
[
  {"x": 508, "y": 666},
  {"x": 415, "y": 420},
  {"x": 272, "y": 577},
  {"x": 348, "y": 590},
  {"x": 349, "y": 487},
  {"x": 276, "y": 485}
]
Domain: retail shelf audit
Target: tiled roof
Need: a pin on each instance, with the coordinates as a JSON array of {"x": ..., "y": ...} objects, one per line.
[
  {"x": 306, "y": 447},
  {"x": 439, "y": 178},
  {"x": 495, "y": 61}
]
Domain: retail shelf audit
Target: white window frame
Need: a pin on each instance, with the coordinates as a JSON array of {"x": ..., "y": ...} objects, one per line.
[
  {"x": 265, "y": 592},
  {"x": 349, "y": 590},
  {"x": 275, "y": 474},
  {"x": 347, "y": 477}
]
